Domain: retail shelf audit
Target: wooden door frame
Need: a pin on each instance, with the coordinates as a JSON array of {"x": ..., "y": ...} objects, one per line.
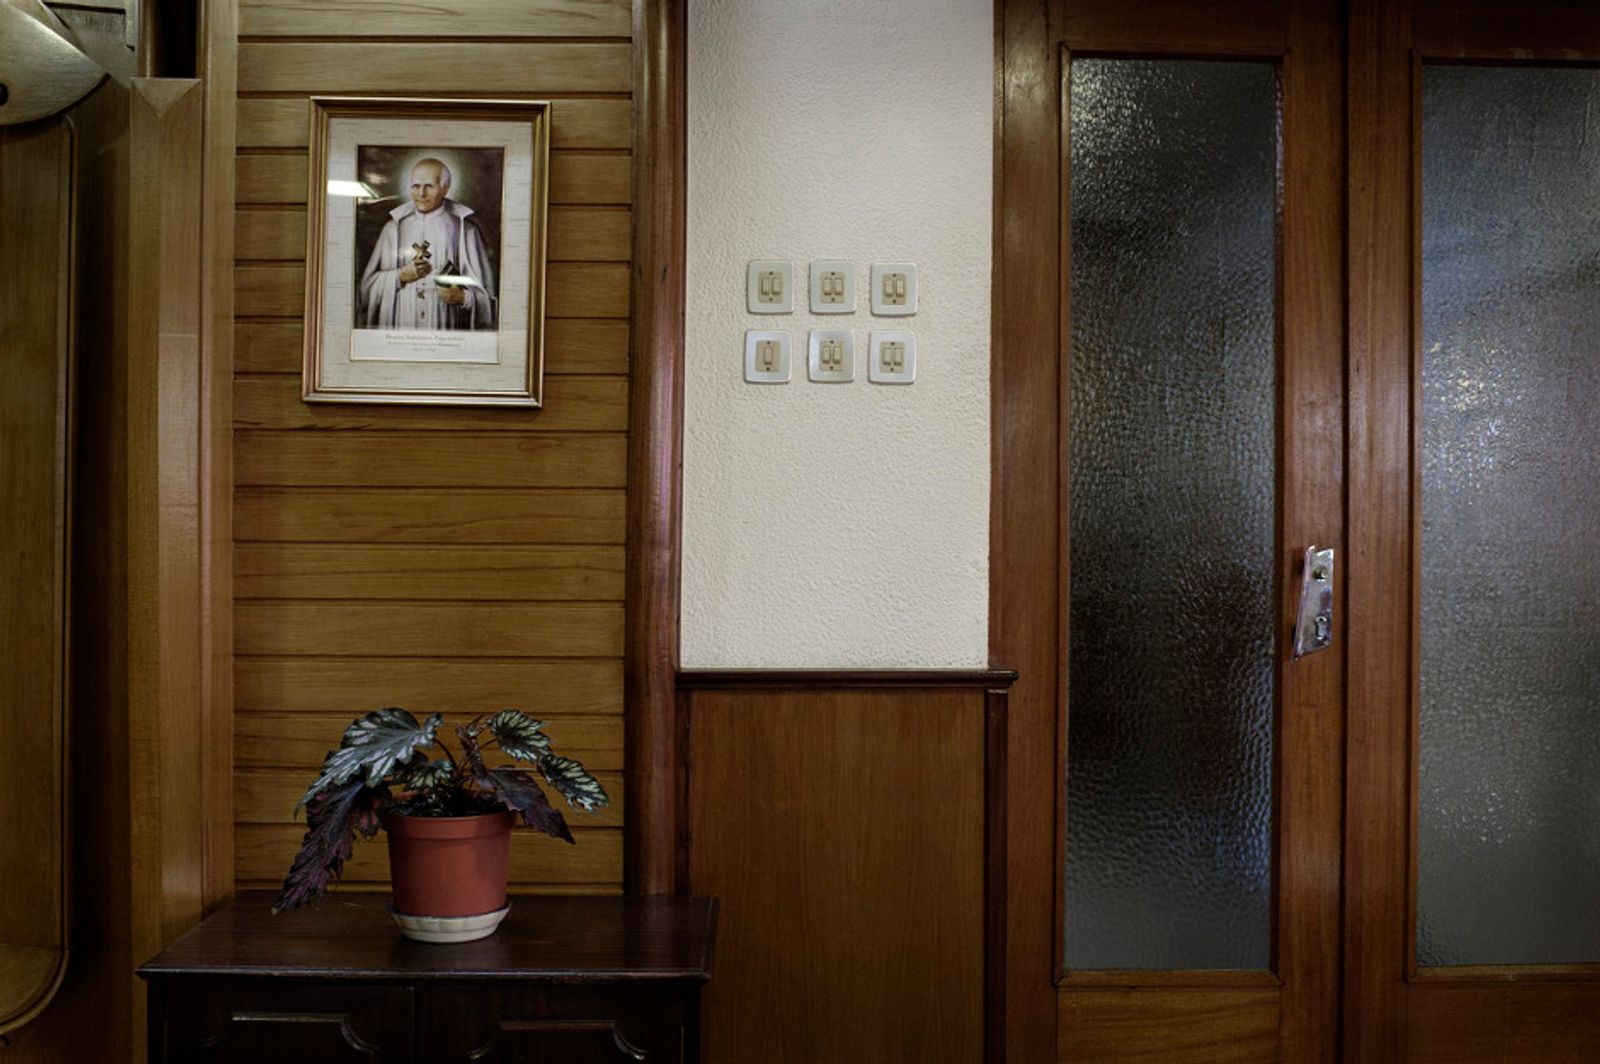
[
  {"x": 1393, "y": 1011},
  {"x": 1027, "y": 536},
  {"x": 655, "y": 446}
]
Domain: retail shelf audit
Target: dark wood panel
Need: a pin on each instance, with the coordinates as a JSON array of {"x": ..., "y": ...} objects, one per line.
[
  {"x": 374, "y": 571},
  {"x": 269, "y": 796},
  {"x": 424, "y": 460},
  {"x": 441, "y": 18},
  {"x": 1493, "y": 29},
  {"x": 1504, "y": 1024},
  {"x": 1239, "y": 27},
  {"x": 811, "y": 888},
  {"x": 1146, "y": 1025},
  {"x": 263, "y": 853},
  {"x": 575, "y": 178},
  {"x": 581, "y": 404},
  {"x": 284, "y": 122},
  {"x": 279, "y": 740},
  {"x": 576, "y": 234},
  {"x": 427, "y": 629},
  {"x": 570, "y": 346},
  {"x": 445, "y": 67},
  {"x": 572, "y": 290},
  {"x": 344, "y": 685}
]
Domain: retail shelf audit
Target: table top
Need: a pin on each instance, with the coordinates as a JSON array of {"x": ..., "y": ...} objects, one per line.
[{"x": 550, "y": 939}]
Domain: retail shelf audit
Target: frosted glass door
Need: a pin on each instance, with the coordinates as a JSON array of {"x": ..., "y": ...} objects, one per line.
[{"x": 1508, "y": 845}]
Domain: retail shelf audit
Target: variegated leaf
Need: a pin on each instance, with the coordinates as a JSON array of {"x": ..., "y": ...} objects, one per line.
[
  {"x": 519, "y": 735},
  {"x": 374, "y": 744},
  {"x": 425, "y": 774},
  {"x": 581, "y": 790}
]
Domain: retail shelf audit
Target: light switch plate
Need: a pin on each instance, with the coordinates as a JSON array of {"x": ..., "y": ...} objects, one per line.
[
  {"x": 832, "y": 356},
  {"x": 769, "y": 287},
  {"x": 766, "y": 357},
  {"x": 892, "y": 358},
  {"x": 894, "y": 289},
  {"x": 833, "y": 286}
]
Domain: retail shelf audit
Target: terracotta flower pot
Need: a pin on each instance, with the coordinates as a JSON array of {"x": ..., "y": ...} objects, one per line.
[{"x": 449, "y": 866}]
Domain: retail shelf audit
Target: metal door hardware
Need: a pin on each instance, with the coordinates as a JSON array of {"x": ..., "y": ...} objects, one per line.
[{"x": 1313, "y": 629}]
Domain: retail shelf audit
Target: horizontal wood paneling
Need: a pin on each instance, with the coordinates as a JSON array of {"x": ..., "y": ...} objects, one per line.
[
  {"x": 572, "y": 345},
  {"x": 571, "y": 404},
  {"x": 399, "y": 516},
  {"x": 344, "y": 685},
  {"x": 436, "y": 18},
  {"x": 433, "y": 630},
  {"x": 292, "y": 740},
  {"x": 425, "y": 460},
  {"x": 450, "y": 557},
  {"x": 1506, "y": 1024},
  {"x": 577, "y": 234},
  {"x": 1170, "y": 1026},
  {"x": 268, "y": 796},
  {"x": 370, "y": 571},
  {"x": 576, "y": 178},
  {"x": 424, "y": 67},
  {"x": 572, "y": 290},
  {"x": 263, "y": 853},
  {"x": 285, "y": 122}
]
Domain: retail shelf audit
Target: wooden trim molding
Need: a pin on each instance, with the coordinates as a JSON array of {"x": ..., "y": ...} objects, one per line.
[
  {"x": 655, "y": 445},
  {"x": 1024, "y": 515},
  {"x": 810, "y": 679},
  {"x": 219, "y": 73}
]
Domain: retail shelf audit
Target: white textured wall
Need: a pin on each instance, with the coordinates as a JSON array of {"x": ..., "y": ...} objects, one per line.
[{"x": 829, "y": 525}]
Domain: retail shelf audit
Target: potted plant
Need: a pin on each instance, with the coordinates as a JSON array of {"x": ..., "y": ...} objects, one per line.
[{"x": 448, "y": 817}]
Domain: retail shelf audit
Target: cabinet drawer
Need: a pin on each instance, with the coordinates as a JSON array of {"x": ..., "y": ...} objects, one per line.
[
  {"x": 560, "y": 1025},
  {"x": 252, "y": 1022}
]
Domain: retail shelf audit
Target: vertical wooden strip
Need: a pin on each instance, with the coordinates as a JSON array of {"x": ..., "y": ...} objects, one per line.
[
  {"x": 994, "y": 882},
  {"x": 1311, "y": 705},
  {"x": 1377, "y": 798},
  {"x": 166, "y": 796},
  {"x": 1025, "y": 503},
  {"x": 219, "y": 46},
  {"x": 655, "y": 443}
]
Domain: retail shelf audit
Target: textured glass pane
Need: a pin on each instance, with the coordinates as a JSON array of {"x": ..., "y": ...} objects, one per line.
[
  {"x": 1509, "y": 846},
  {"x": 1173, "y": 461}
]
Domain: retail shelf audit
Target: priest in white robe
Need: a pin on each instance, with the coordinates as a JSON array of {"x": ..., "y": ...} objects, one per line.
[{"x": 421, "y": 241}]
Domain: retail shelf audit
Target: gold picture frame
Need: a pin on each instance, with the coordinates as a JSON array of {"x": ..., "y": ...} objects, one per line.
[{"x": 426, "y": 223}]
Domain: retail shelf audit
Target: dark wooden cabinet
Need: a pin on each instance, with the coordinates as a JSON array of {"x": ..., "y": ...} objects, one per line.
[{"x": 584, "y": 980}]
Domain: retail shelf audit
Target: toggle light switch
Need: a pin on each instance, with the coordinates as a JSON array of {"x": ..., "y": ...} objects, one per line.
[
  {"x": 766, "y": 357},
  {"x": 769, "y": 287},
  {"x": 833, "y": 286},
  {"x": 894, "y": 288},
  {"x": 832, "y": 356},
  {"x": 892, "y": 358}
]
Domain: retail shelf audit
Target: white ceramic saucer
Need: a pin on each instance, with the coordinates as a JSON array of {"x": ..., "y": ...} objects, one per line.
[{"x": 449, "y": 928}]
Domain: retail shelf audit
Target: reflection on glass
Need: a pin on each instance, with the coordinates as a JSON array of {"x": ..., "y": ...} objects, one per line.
[
  {"x": 1509, "y": 820},
  {"x": 1173, "y": 514}
]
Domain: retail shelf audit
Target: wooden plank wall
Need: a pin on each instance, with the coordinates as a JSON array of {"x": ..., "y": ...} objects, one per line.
[{"x": 446, "y": 559}]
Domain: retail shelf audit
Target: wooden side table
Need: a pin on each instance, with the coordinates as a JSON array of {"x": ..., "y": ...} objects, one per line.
[{"x": 565, "y": 980}]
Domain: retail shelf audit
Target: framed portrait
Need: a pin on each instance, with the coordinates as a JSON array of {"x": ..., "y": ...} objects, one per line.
[{"x": 425, "y": 251}]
